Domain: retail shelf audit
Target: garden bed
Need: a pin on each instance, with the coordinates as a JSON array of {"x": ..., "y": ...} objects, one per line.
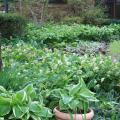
[
  {"x": 26, "y": 63},
  {"x": 55, "y": 63}
]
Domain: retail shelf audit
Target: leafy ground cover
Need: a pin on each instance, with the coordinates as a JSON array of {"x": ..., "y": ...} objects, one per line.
[
  {"x": 57, "y": 65},
  {"x": 114, "y": 49},
  {"x": 65, "y": 33},
  {"x": 83, "y": 47},
  {"x": 26, "y": 63},
  {"x": 27, "y": 60}
]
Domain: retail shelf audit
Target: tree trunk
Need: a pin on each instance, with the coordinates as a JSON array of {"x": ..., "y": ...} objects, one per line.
[
  {"x": 6, "y": 5},
  {"x": 20, "y": 7},
  {"x": 0, "y": 55}
]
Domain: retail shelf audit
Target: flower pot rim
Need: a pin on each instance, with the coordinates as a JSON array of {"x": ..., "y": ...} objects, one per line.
[{"x": 66, "y": 116}]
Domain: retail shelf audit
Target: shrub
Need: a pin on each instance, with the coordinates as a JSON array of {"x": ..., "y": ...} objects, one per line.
[
  {"x": 8, "y": 76},
  {"x": 72, "y": 19},
  {"x": 79, "y": 6},
  {"x": 116, "y": 28},
  {"x": 95, "y": 15},
  {"x": 60, "y": 33},
  {"x": 12, "y": 25},
  {"x": 112, "y": 21},
  {"x": 88, "y": 11}
]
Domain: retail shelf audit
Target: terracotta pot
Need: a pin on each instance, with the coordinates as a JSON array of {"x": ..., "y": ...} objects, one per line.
[{"x": 65, "y": 116}]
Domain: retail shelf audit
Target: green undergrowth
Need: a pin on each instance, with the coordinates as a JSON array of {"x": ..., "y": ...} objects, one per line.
[
  {"x": 65, "y": 33},
  {"x": 26, "y": 64},
  {"x": 30, "y": 64}
]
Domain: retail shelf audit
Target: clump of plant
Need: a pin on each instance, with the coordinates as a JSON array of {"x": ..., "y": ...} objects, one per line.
[
  {"x": 72, "y": 20},
  {"x": 78, "y": 6},
  {"x": 22, "y": 105},
  {"x": 65, "y": 33},
  {"x": 109, "y": 105},
  {"x": 28, "y": 63},
  {"x": 12, "y": 25},
  {"x": 114, "y": 49},
  {"x": 88, "y": 11},
  {"x": 95, "y": 15},
  {"x": 74, "y": 99},
  {"x": 116, "y": 28},
  {"x": 83, "y": 47}
]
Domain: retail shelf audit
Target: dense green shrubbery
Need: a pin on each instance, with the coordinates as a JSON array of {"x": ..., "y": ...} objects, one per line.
[
  {"x": 12, "y": 25},
  {"x": 111, "y": 21},
  {"x": 116, "y": 28},
  {"x": 87, "y": 11},
  {"x": 32, "y": 64},
  {"x": 49, "y": 71},
  {"x": 72, "y": 20},
  {"x": 60, "y": 33},
  {"x": 95, "y": 15}
]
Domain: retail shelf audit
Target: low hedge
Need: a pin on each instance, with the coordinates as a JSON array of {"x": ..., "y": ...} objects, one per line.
[
  {"x": 60, "y": 33},
  {"x": 12, "y": 25}
]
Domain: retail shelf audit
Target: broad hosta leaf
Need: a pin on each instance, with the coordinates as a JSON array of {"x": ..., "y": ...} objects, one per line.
[
  {"x": 76, "y": 88},
  {"x": 4, "y": 110},
  {"x": 18, "y": 112},
  {"x": 24, "y": 109},
  {"x": 1, "y": 118},
  {"x": 74, "y": 104},
  {"x": 19, "y": 97},
  {"x": 4, "y": 106},
  {"x": 56, "y": 93},
  {"x": 35, "y": 107},
  {"x": 66, "y": 99},
  {"x": 34, "y": 117},
  {"x": 45, "y": 112},
  {"x": 87, "y": 94},
  {"x": 26, "y": 116},
  {"x": 82, "y": 83},
  {"x": 63, "y": 106},
  {"x": 2, "y": 89},
  {"x": 30, "y": 91}
]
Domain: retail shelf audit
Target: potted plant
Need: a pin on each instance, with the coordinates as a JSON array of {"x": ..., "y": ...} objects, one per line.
[
  {"x": 22, "y": 105},
  {"x": 74, "y": 102}
]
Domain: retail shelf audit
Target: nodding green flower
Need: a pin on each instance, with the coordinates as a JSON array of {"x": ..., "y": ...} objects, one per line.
[
  {"x": 96, "y": 68},
  {"x": 102, "y": 80},
  {"x": 101, "y": 61},
  {"x": 19, "y": 73},
  {"x": 97, "y": 86}
]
